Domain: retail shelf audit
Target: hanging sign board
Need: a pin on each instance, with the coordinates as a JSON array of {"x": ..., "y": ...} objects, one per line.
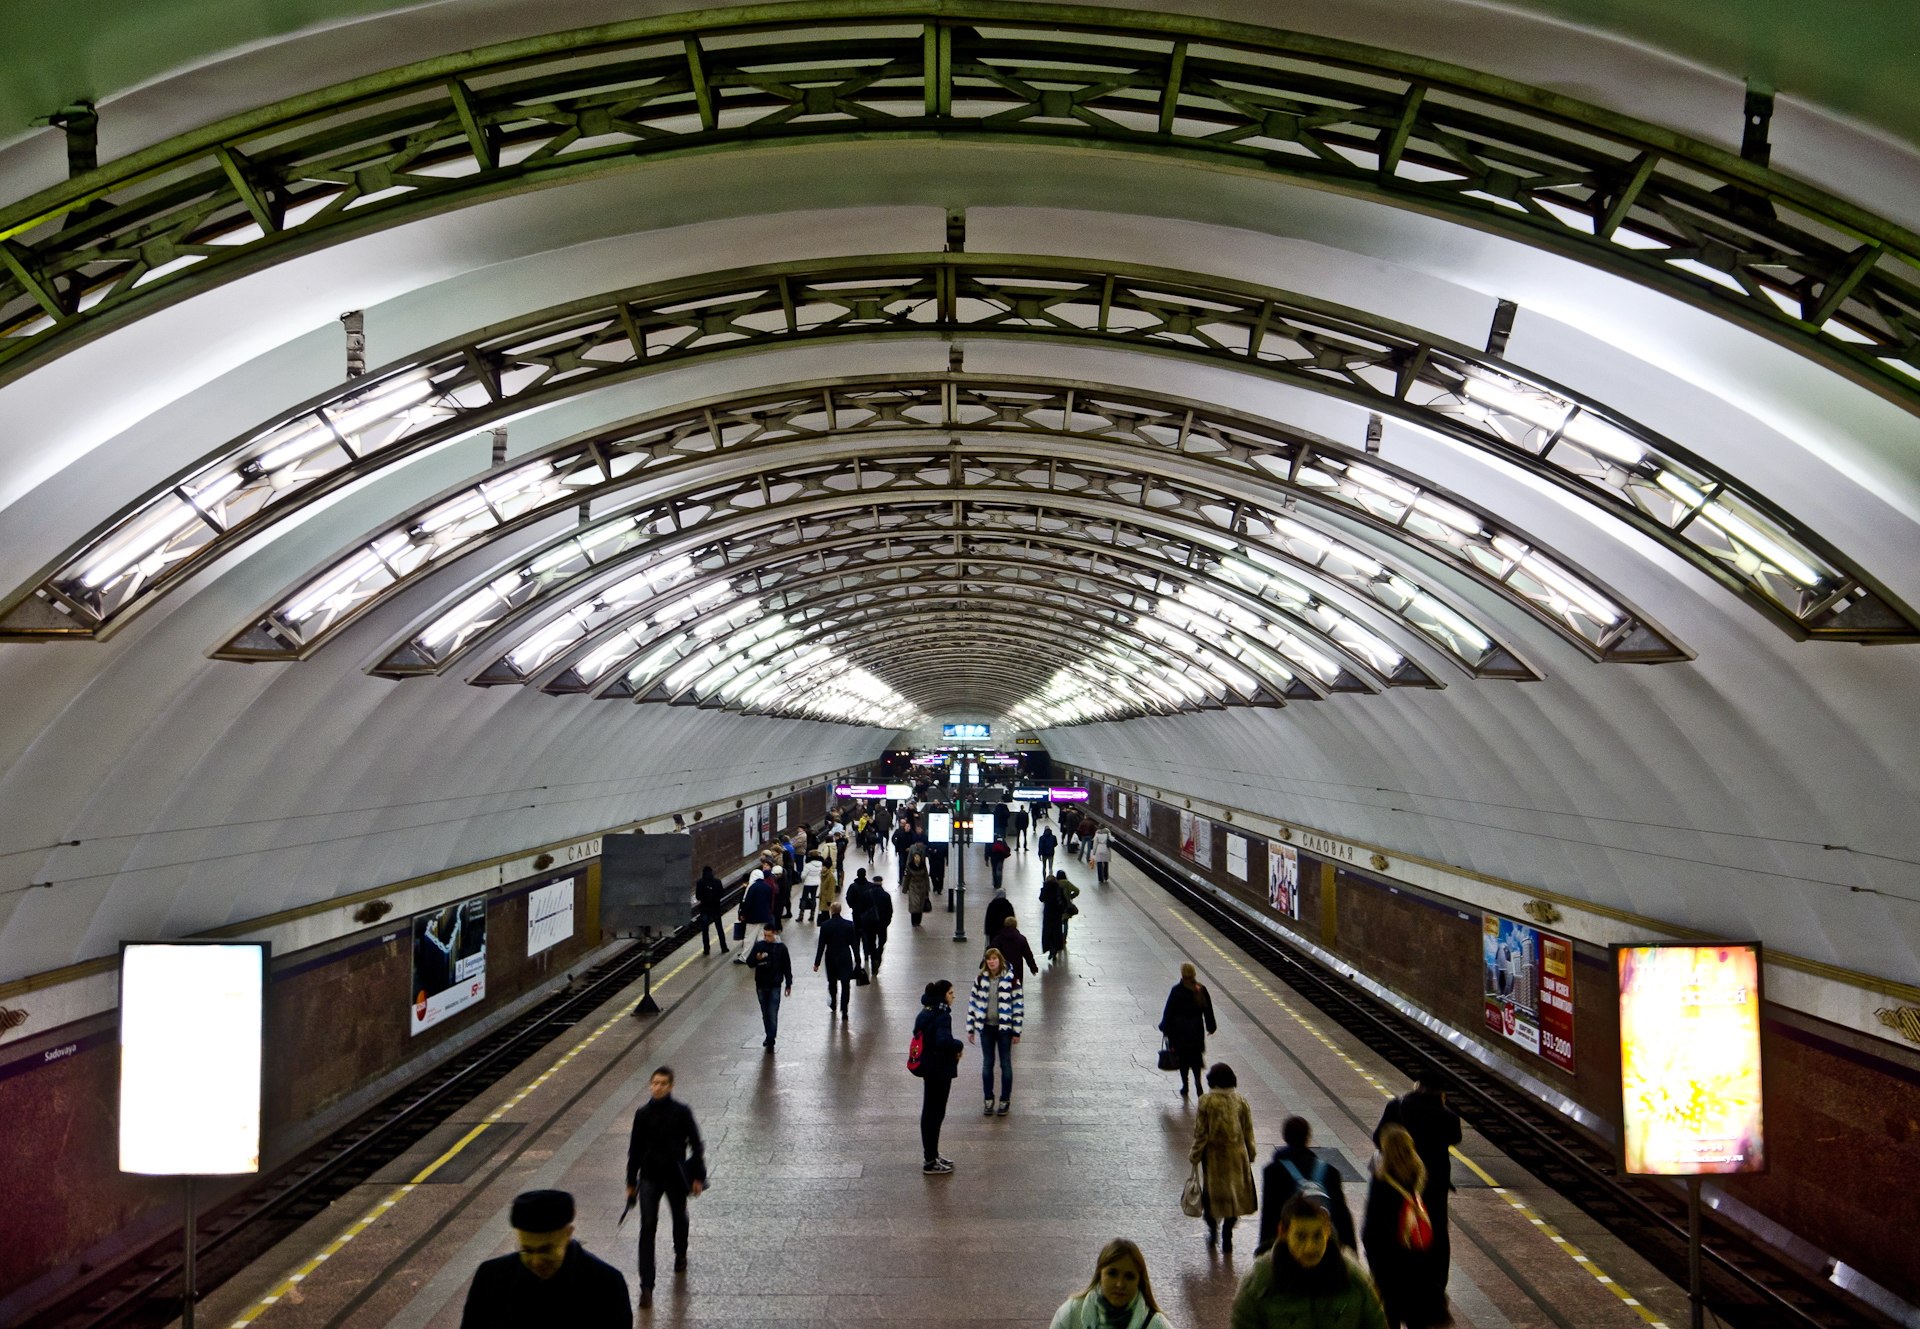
[
  {"x": 191, "y": 1029},
  {"x": 1690, "y": 1073},
  {"x": 939, "y": 827}
]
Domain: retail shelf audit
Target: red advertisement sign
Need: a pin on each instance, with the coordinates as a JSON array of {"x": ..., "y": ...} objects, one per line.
[{"x": 1556, "y": 1001}]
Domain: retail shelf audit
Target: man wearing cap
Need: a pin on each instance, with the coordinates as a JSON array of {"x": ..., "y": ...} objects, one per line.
[
  {"x": 664, "y": 1159},
  {"x": 551, "y": 1279}
]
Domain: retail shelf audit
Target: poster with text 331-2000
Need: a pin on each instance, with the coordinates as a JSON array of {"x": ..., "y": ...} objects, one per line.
[{"x": 1527, "y": 988}]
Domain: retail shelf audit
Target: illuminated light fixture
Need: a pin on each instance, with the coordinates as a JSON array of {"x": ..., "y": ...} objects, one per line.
[
  {"x": 1730, "y": 523},
  {"x": 1537, "y": 408},
  {"x": 1595, "y": 604},
  {"x": 1596, "y": 435},
  {"x": 339, "y": 580},
  {"x": 382, "y": 403},
  {"x": 1451, "y": 621},
  {"x": 448, "y": 624}
]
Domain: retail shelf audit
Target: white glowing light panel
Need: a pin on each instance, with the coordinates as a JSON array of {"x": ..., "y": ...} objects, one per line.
[{"x": 190, "y": 1042}]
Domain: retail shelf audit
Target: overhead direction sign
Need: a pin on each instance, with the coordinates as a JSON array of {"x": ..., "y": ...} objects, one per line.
[{"x": 1056, "y": 794}]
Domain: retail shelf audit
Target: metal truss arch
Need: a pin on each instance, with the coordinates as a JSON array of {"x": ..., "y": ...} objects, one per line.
[
  {"x": 1624, "y": 470},
  {"x": 539, "y": 584},
  {"x": 1749, "y": 244}
]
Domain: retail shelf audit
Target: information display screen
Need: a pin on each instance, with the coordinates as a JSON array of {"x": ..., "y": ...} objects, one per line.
[
  {"x": 190, "y": 1048},
  {"x": 966, "y": 731},
  {"x": 1690, "y": 1074},
  {"x": 939, "y": 827}
]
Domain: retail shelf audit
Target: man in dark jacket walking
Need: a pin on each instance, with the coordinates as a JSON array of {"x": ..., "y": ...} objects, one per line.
[
  {"x": 1435, "y": 1129},
  {"x": 550, "y": 1280},
  {"x": 665, "y": 1160},
  {"x": 772, "y": 968},
  {"x": 706, "y": 897},
  {"x": 1013, "y": 947},
  {"x": 1295, "y": 1167},
  {"x": 756, "y": 910},
  {"x": 839, "y": 946},
  {"x": 997, "y": 855}
]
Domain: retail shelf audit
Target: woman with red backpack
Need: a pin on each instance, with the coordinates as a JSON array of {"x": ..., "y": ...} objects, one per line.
[
  {"x": 1398, "y": 1236},
  {"x": 934, "y": 1056}
]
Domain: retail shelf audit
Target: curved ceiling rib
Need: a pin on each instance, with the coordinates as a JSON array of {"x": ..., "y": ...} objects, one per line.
[
  {"x": 1324, "y": 475},
  {"x": 1731, "y": 533},
  {"x": 1746, "y": 243},
  {"x": 617, "y": 551},
  {"x": 605, "y": 662}
]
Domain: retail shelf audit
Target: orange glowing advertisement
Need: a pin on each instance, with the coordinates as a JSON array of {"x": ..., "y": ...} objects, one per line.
[{"x": 1690, "y": 1059}]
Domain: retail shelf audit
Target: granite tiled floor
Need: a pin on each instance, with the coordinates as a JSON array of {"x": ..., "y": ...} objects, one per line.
[{"x": 819, "y": 1213}]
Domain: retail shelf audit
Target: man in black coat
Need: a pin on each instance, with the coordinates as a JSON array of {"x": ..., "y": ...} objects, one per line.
[
  {"x": 999, "y": 910},
  {"x": 1013, "y": 947},
  {"x": 839, "y": 945},
  {"x": 550, "y": 1280},
  {"x": 1435, "y": 1129},
  {"x": 706, "y": 896},
  {"x": 665, "y": 1159},
  {"x": 772, "y": 969},
  {"x": 1293, "y": 1165}
]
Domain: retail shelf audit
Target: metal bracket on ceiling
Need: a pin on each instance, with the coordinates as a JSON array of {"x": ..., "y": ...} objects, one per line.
[
  {"x": 956, "y": 230},
  {"x": 1502, "y": 327},
  {"x": 81, "y": 124},
  {"x": 1374, "y": 430},
  {"x": 355, "y": 322},
  {"x": 499, "y": 446},
  {"x": 1756, "y": 143}
]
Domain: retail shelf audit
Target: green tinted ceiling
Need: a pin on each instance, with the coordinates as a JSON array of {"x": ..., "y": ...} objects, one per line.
[{"x": 1854, "y": 58}]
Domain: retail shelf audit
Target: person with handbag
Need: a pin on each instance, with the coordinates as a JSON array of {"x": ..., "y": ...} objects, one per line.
[
  {"x": 1185, "y": 1022},
  {"x": 1398, "y": 1235},
  {"x": 1308, "y": 1278},
  {"x": 665, "y": 1160},
  {"x": 838, "y": 946},
  {"x": 934, "y": 1055},
  {"x": 1223, "y": 1147},
  {"x": 706, "y": 897},
  {"x": 996, "y": 1010},
  {"x": 1119, "y": 1297},
  {"x": 1102, "y": 852},
  {"x": 1056, "y": 907}
]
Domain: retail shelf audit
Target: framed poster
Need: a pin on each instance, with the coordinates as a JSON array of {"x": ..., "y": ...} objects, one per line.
[
  {"x": 449, "y": 961},
  {"x": 1691, "y": 1085},
  {"x": 1120, "y": 807},
  {"x": 752, "y": 829},
  {"x": 1515, "y": 981},
  {"x": 1196, "y": 839},
  {"x": 549, "y": 916},
  {"x": 1236, "y": 857},
  {"x": 1142, "y": 815},
  {"x": 1106, "y": 800},
  {"x": 1283, "y": 878}
]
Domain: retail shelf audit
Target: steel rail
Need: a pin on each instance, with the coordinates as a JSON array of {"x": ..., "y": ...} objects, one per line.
[
  {"x": 1746, "y": 1286},
  {"x": 1748, "y": 244},
  {"x": 340, "y": 437}
]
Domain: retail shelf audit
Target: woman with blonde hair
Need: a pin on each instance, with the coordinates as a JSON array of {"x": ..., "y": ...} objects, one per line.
[
  {"x": 1119, "y": 1297},
  {"x": 1398, "y": 1236},
  {"x": 996, "y": 1012}
]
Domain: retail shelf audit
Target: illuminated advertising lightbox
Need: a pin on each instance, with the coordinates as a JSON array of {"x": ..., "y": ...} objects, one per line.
[
  {"x": 1690, "y": 1075},
  {"x": 966, "y": 731},
  {"x": 190, "y": 1046},
  {"x": 939, "y": 827},
  {"x": 449, "y": 961}
]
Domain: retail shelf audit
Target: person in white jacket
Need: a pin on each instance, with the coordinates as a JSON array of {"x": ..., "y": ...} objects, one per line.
[
  {"x": 1102, "y": 853},
  {"x": 1119, "y": 1297}
]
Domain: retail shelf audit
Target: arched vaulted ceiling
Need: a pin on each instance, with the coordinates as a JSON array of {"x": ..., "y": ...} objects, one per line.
[{"x": 1386, "y": 444}]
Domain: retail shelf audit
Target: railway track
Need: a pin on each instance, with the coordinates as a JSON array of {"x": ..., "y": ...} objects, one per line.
[
  {"x": 144, "y": 1290},
  {"x": 1745, "y": 1285}
]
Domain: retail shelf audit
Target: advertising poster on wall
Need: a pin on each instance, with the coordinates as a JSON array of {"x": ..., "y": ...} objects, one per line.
[
  {"x": 1107, "y": 793},
  {"x": 1142, "y": 815},
  {"x": 752, "y": 829},
  {"x": 1283, "y": 878},
  {"x": 1690, "y": 1074},
  {"x": 1196, "y": 839},
  {"x": 1514, "y": 963},
  {"x": 780, "y": 817},
  {"x": 449, "y": 961},
  {"x": 1236, "y": 857},
  {"x": 549, "y": 916},
  {"x": 1119, "y": 807}
]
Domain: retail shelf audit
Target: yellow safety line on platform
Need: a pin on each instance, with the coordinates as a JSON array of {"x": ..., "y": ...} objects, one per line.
[
  {"x": 1578, "y": 1256},
  {"x": 367, "y": 1220}
]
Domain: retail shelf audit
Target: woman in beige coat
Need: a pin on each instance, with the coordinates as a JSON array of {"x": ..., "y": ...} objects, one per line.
[{"x": 1223, "y": 1147}]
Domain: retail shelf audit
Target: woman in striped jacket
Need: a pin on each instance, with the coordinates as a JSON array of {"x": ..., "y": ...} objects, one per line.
[{"x": 995, "y": 1013}]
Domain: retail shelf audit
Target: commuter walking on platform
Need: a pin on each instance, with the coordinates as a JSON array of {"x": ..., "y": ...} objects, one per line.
[
  {"x": 903, "y": 841},
  {"x": 1102, "y": 852},
  {"x": 937, "y": 868},
  {"x": 756, "y": 912},
  {"x": 1308, "y": 1278},
  {"x": 1223, "y": 1147},
  {"x": 1017, "y": 827},
  {"x": 934, "y": 1055},
  {"x": 840, "y": 841},
  {"x": 999, "y": 910},
  {"x": 918, "y": 880},
  {"x": 1047, "y": 844},
  {"x": 772, "y": 969},
  {"x": 997, "y": 856},
  {"x": 550, "y": 1279},
  {"x": 810, "y": 873},
  {"x": 880, "y": 916},
  {"x": 1014, "y": 948},
  {"x": 1435, "y": 1129},
  {"x": 665, "y": 1160},
  {"x": 1119, "y": 1297},
  {"x": 839, "y": 946},
  {"x": 829, "y": 886},
  {"x": 1185, "y": 1021},
  {"x": 1398, "y": 1235},
  {"x": 706, "y": 897},
  {"x": 1296, "y": 1169},
  {"x": 996, "y": 1010}
]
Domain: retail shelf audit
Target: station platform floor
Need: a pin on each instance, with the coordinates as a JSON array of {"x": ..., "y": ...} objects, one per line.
[{"x": 818, "y": 1212}]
